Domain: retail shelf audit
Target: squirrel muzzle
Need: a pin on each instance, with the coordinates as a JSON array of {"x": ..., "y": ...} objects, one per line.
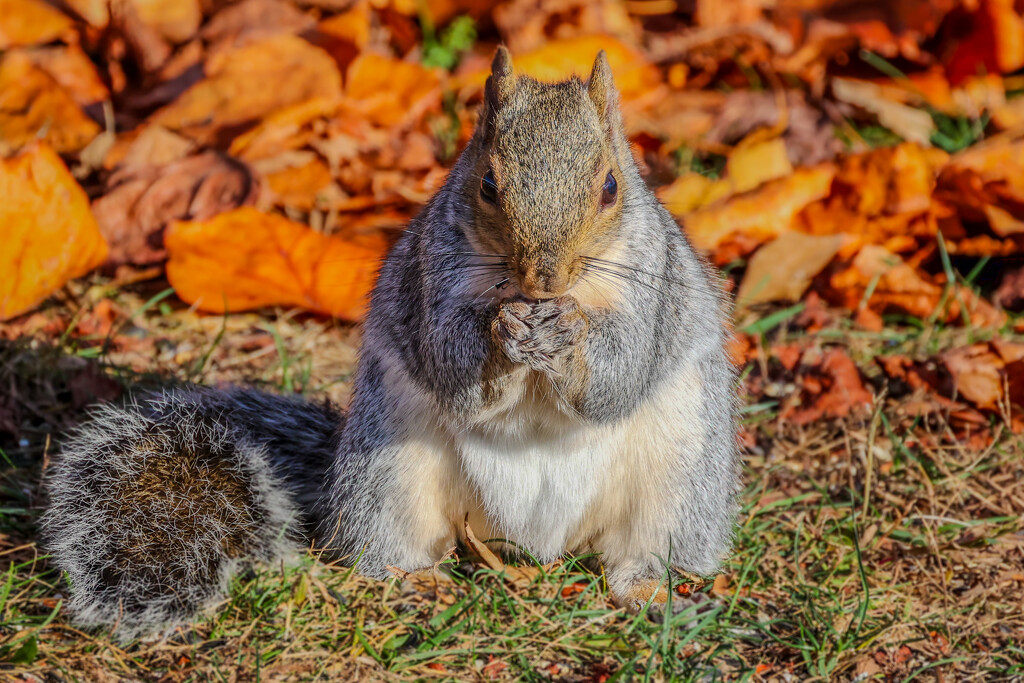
[{"x": 542, "y": 279}]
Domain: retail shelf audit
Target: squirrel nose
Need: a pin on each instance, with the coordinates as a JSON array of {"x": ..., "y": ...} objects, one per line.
[{"x": 536, "y": 282}]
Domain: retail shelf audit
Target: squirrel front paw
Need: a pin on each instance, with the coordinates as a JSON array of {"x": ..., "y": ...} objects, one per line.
[{"x": 537, "y": 334}]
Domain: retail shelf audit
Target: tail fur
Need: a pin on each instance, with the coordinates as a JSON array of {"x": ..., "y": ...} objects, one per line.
[{"x": 157, "y": 503}]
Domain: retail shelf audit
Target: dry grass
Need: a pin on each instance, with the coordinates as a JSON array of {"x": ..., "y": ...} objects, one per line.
[{"x": 913, "y": 573}]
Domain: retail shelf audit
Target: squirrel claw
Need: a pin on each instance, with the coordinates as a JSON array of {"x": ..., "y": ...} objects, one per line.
[{"x": 537, "y": 334}]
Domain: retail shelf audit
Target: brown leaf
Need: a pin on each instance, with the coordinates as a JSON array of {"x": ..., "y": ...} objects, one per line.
[
  {"x": 832, "y": 389},
  {"x": 246, "y": 259},
  {"x": 142, "y": 200},
  {"x": 977, "y": 374},
  {"x": 50, "y": 236}
]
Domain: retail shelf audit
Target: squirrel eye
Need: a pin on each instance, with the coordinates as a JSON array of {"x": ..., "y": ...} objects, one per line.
[
  {"x": 610, "y": 189},
  {"x": 488, "y": 187}
]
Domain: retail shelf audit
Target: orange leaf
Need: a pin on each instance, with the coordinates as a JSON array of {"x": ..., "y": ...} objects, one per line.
[
  {"x": 33, "y": 104},
  {"x": 175, "y": 20},
  {"x": 74, "y": 71},
  {"x": 49, "y": 234},
  {"x": 246, "y": 84},
  {"x": 30, "y": 22},
  {"x": 245, "y": 259},
  {"x": 390, "y": 92},
  {"x": 763, "y": 213}
]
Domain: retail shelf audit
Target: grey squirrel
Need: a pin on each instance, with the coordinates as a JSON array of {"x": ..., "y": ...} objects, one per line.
[{"x": 544, "y": 354}]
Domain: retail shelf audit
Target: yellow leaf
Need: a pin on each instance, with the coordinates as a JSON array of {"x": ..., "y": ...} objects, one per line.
[{"x": 751, "y": 165}]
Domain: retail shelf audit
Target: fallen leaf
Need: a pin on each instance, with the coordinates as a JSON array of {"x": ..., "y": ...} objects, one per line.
[
  {"x": 235, "y": 95},
  {"x": 411, "y": 89},
  {"x": 783, "y": 268},
  {"x": 34, "y": 106},
  {"x": 95, "y": 12},
  {"x": 50, "y": 236},
  {"x": 992, "y": 41},
  {"x": 152, "y": 146},
  {"x": 750, "y": 165},
  {"x": 977, "y": 374},
  {"x": 344, "y": 35},
  {"x": 559, "y": 59},
  {"x": 912, "y": 124},
  {"x": 175, "y": 20},
  {"x": 1010, "y": 293},
  {"x": 763, "y": 213},
  {"x": 72, "y": 69},
  {"x": 831, "y": 389},
  {"x": 253, "y": 20},
  {"x": 30, "y": 22},
  {"x": 142, "y": 200},
  {"x": 529, "y": 24},
  {"x": 246, "y": 259},
  {"x": 301, "y": 186}
]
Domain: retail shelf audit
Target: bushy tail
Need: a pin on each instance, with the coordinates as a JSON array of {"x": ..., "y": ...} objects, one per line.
[{"x": 156, "y": 504}]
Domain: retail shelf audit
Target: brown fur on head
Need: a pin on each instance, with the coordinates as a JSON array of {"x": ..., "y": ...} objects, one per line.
[{"x": 549, "y": 148}]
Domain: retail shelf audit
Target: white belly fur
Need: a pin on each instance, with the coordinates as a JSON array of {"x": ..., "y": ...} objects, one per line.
[{"x": 535, "y": 488}]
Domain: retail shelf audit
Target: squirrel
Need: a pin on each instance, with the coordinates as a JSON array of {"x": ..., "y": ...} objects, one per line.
[{"x": 543, "y": 356}]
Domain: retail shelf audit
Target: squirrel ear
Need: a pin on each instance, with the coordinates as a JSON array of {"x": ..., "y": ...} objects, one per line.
[
  {"x": 502, "y": 81},
  {"x": 600, "y": 86}
]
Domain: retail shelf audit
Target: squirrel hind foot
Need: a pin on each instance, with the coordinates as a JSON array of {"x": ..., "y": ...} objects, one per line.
[{"x": 154, "y": 508}]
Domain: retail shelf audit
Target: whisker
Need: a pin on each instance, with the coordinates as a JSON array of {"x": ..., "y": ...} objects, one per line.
[
  {"x": 496, "y": 285},
  {"x": 640, "y": 271}
]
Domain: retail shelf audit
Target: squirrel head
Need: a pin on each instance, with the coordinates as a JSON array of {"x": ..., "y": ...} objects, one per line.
[{"x": 548, "y": 174}]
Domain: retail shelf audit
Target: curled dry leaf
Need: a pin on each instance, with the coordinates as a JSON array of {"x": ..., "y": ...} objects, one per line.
[
  {"x": 34, "y": 106},
  {"x": 142, "y": 200},
  {"x": 235, "y": 95},
  {"x": 763, "y": 213},
  {"x": 246, "y": 259},
  {"x": 831, "y": 389},
  {"x": 50, "y": 236},
  {"x": 977, "y": 374}
]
